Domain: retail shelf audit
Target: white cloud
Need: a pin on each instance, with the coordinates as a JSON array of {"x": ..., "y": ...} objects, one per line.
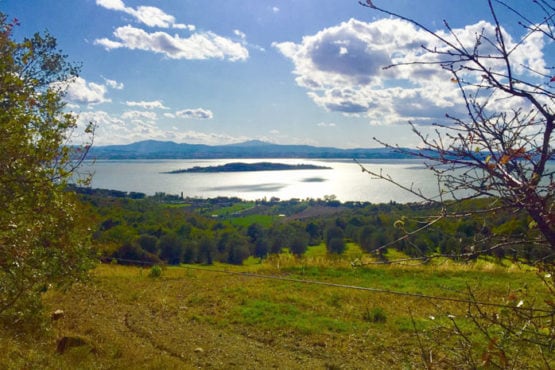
[
  {"x": 153, "y": 17},
  {"x": 208, "y": 138},
  {"x": 134, "y": 126},
  {"x": 111, "y": 4},
  {"x": 325, "y": 124},
  {"x": 275, "y": 9},
  {"x": 342, "y": 69},
  {"x": 240, "y": 34},
  {"x": 198, "y": 113},
  {"x": 113, "y": 84},
  {"x": 155, "y": 104},
  {"x": 82, "y": 92},
  {"x": 72, "y": 106},
  {"x": 203, "y": 45},
  {"x": 148, "y": 15},
  {"x": 140, "y": 116}
]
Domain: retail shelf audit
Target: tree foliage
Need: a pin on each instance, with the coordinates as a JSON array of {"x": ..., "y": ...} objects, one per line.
[
  {"x": 500, "y": 151},
  {"x": 43, "y": 234},
  {"x": 502, "y": 146}
]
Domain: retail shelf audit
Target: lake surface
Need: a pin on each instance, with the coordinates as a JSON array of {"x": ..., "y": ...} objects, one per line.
[{"x": 344, "y": 180}]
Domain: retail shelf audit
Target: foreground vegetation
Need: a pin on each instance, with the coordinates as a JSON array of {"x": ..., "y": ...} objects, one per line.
[
  {"x": 220, "y": 317},
  {"x": 205, "y": 293}
]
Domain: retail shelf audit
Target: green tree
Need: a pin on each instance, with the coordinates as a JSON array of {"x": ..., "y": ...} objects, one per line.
[
  {"x": 43, "y": 231},
  {"x": 365, "y": 238},
  {"x": 171, "y": 249},
  {"x": 314, "y": 232},
  {"x": 149, "y": 243},
  {"x": 298, "y": 244},
  {"x": 498, "y": 152},
  {"x": 334, "y": 240},
  {"x": 206, "y": 250},
  {"x": 493, "y": 150}
]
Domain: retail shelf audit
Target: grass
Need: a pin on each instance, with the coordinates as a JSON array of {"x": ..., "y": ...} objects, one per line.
[
  {"x": 246, "y": 221},
  {"x": 218, "y": 317}
]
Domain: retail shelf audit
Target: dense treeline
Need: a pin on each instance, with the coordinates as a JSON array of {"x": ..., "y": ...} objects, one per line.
[{"x": 134, "y": 228}]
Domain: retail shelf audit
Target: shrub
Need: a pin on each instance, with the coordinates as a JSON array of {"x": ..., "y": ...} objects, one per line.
[{"x": 155, "y": 271}]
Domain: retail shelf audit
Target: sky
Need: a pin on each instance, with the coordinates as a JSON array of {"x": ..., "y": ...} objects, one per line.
[{"x": 282, "y": 71}]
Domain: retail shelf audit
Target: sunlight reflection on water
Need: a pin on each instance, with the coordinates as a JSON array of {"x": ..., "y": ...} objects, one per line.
[{"x": 345, "y": 179}]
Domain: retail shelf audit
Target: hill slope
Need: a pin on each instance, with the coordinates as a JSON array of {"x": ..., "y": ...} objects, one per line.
[{"x": 152, "y": 149}]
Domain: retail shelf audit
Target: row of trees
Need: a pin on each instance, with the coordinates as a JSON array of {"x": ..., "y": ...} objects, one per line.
[{"x": 147, "y": 231}]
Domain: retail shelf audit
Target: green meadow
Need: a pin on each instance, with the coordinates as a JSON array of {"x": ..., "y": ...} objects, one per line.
[{"x": 286, "y": 312}]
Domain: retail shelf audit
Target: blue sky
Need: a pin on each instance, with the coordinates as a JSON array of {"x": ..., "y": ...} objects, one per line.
[{"x": 283, "y": 71}]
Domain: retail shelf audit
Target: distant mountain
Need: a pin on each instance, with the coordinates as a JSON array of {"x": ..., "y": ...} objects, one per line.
[{"x": 152, "y": 149}]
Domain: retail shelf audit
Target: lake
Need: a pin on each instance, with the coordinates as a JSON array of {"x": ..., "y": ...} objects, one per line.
[{"x": 344, "y": 180}]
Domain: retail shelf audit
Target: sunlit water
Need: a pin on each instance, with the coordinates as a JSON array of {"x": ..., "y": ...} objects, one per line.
[{"x": 344, "y": 180}]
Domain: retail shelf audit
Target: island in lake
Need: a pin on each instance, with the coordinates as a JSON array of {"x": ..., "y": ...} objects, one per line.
[{"x": 245, "y": 167}]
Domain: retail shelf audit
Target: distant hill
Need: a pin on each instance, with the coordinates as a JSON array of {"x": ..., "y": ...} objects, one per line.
[{"x": 152, "y": 149}]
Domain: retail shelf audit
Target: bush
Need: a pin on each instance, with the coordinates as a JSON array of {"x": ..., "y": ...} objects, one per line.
[{"x": 155, "y": 271}]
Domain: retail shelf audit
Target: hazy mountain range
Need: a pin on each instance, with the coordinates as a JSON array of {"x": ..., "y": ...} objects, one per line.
[{"x": 152, "y": 149}]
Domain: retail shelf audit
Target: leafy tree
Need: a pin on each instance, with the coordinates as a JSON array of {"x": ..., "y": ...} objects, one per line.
[
  {"x": 336, "y": 245},
  {"x": 334, "y": 240},
  {"x": 261, "y": 248},
  {"x": 365, "y": 238},
  {"x": 237, "y": 254},
  {"x": 314, "y": 232},
  {"x": 171, "y": 249},
  {"x": 148, "y": 243},
  {"x": 238, "y": 251},
  {"x": 501, "y": 146},
  {"x": 255, "y": 231},
  {"x": 298, "y": 244},
  {"x": 498, "y": 150},
  {"x": 206, "y": 250},
  {"x": 43, "y": 230},
  {"x": 190, "y": 252}
]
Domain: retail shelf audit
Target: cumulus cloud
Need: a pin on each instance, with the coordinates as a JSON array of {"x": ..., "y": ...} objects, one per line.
[
  {"x": 111, "y": 4},
  {"x": 148, "y": 15},
  {"x": 155, "y": 104},
  {"x": 204, "y": 45},
  {"x": 342, "y": 69},
  {"x": 139, "y": 116},
  {"x": 198, "y": 45},
  {"x": 82, "y": 92},
  {"x": 198, "y": 113},
  {"x": 139, "y": 125}
]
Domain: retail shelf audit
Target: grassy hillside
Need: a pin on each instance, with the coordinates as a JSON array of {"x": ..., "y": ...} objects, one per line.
[{"x": 230, "y": 317}]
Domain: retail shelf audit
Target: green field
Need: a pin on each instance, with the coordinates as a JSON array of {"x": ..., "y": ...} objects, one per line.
[
  {"x": 284, "y": 313},
  {"x": 257, "y": 285}
]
